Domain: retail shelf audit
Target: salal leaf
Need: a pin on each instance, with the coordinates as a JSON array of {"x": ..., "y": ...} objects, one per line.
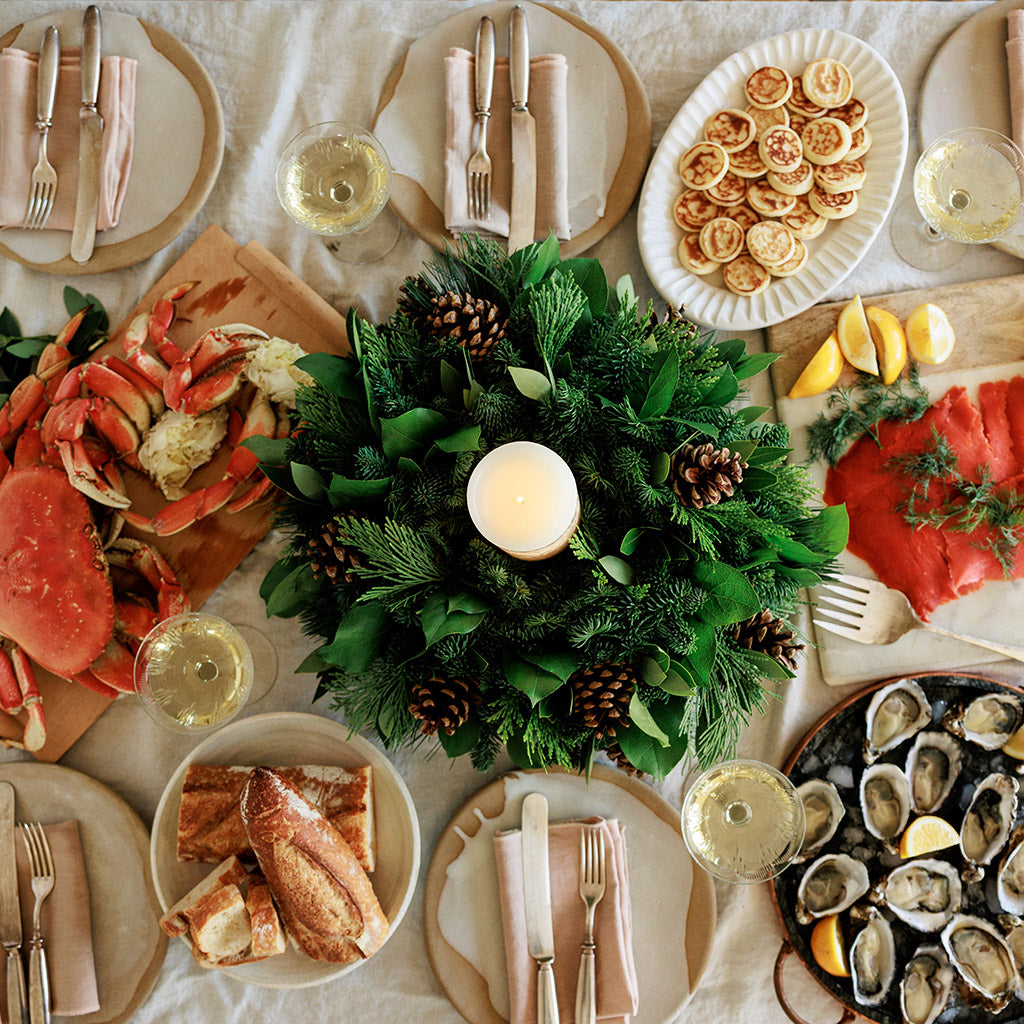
[
  {"x": 343, "y": 490},
  {"x": 333, "y": 373},
  {"x": 641, "y": 718},
  {"x": 358, "y": 638},
  {"x": 663, "y": 388},
  {"x": 408, "y": 433},
  {"x": 730, "y": 597},
  {"x": 530, "y": 679},
  {"x": 308, "y": 480},
  {"x": 438, "y": 622},
  {"x": 531, "y": 383},
  {"x": 463, "y": 740},
  {"x": 269, "y": 450}
]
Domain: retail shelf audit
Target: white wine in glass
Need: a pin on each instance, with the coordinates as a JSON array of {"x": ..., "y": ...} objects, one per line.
[
  {"x": 743, "y": 821},
  {"x": 968, "y": 188},
  {"x": 334, "y": 179},
  {"x": 193, "y": 672}
]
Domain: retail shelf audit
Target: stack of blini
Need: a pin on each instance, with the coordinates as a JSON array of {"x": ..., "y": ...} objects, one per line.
[{"x": 768, "y": 178}]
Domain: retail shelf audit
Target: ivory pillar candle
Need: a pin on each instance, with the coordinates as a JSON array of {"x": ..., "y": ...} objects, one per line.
[{"x": 522, "y": 497}]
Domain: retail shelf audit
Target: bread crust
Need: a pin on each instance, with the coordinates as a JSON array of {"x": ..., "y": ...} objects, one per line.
[{"x": 324, "y": 896}]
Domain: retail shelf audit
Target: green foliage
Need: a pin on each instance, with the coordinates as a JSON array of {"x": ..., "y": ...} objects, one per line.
[{"x": 388, "y": 437}]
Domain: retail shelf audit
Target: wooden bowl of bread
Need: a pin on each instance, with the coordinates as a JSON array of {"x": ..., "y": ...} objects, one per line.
[{"x": 284, "y": 851}]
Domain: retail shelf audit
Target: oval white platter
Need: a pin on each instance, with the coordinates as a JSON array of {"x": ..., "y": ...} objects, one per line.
[{"x": 834, "y": 253}]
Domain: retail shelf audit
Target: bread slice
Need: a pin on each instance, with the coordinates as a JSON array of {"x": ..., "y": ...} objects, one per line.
[
  {"x": 219, "y": 923},
  {"x": 230, "y": 871},
  {"x": 267, "y": 935}
]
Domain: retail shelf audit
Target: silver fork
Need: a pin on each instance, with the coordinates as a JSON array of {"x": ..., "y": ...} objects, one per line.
[
  {"x": 44, "y": 177},
  {"x": 478, "y": 170},
  {"x": 591, "y": 892},
  {"x": 42, "y": 885},
  {"x": 872, "y": 613}
]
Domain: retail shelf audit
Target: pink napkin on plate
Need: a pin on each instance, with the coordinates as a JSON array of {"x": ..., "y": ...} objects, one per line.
[
  {"x": 547, "y": 104},
  {"x": 19, "y": 140},
  {"x": 1015, "y": 72},
  {"x": 617, "y": 990},
  {"x": 65, "y": 923}
]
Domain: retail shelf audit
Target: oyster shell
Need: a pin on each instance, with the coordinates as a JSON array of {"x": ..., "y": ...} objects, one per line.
[
  {"x": 1013, "y": 931},
  {"x": 830, "y": 884},
  {"x": 873, "y": 961},
  {"x": 989, "y": 818},
  {"x": 1010, "y": 877},
  {"x": 823, "y": 810},
  {"x": 925, "y": 987},
  {"x": 989, "y": 720},
  {"x": 884, "y": 800},
  {"x": 924, "y": 893},
  {"x": 982, "y": 958},
  {"x": 932, "y": 767},
  {"x": 895, "y": 713}
]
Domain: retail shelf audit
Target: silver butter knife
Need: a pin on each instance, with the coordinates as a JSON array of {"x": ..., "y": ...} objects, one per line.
[
  {"x": 540, "y": 937},
  {"x": 10, "y": 910},
  {"x": 90, "y": 142},
  {"x": 524, "y": 136}
]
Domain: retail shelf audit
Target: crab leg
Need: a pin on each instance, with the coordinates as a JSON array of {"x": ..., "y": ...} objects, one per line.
[
  {"x": 153, "y": 395},
  {"x": 145, "y": 561},
  {"x": 29, "y": 399},
  {"x": 19, "y": 692},
  {"x": 161, "y": 318}
]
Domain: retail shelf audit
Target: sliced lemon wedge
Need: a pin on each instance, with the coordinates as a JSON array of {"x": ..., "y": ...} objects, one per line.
[
  {"x": 930, "y": 336},
  {"x": 855, "y": 339},
  {"x": 1014, "y": 746},
  {"x": 822, "y": 370},
  {"x": 890, "y": 342},
  {"x": 828, "y": 947},
  {"x": 926, "y": 835}
]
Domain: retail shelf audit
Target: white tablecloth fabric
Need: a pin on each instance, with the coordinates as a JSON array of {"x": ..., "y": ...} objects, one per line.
[{"x": 279, "y": 66}]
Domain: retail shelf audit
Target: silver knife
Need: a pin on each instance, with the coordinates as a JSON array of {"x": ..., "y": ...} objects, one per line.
[
  {"x": 10, "y": 910},
  {"x": 524, "y": 136},
  {"x": 90, "y": 142},
  {"x": 540, "y": 938}
]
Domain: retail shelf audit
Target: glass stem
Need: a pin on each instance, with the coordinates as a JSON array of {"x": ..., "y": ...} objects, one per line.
[{"x": 738, "y": 813}]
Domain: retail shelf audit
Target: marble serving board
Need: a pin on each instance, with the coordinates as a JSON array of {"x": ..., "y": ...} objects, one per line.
[
  {"x": 235, "y": 284},
  {"x": 988, "y": 318}
]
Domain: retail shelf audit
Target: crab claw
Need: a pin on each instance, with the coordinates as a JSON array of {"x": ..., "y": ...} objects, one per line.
[
  {"x": 138, "y": 358},
  {"x": 146, "y": 562},
  {"x": 19, "y": 692},
  {"x": 210, "y": 372}
]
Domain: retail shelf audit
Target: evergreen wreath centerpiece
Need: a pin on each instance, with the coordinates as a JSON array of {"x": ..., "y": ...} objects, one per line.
[{"x": 657, "y": 631}]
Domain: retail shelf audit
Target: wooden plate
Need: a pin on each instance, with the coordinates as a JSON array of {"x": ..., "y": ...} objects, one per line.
[
  {"x": 624, "y": 142},
  {"x": 175, "y": 160},
  {"x": 127, "y": 946},
  {"x": 656, "y": 895}
]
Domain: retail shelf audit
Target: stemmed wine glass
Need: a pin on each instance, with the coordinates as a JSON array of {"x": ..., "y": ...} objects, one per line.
[
  {"x": 743, "y": 821},
  {"x": 968, "y": 188},
  {"x": 335, "y": 179}
]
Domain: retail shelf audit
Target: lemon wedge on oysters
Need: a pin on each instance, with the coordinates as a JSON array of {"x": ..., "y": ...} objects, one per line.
[
  {"x": 828, "y": 947},
  {"x": 854, "y": 336},
  {"x": 821, "y": 372},
  {"x": 926, "y": 835}
]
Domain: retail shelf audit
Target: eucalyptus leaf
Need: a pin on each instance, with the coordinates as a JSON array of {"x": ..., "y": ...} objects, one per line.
[
  {"x": 9, "y": 326},
  {"x": 651, "y": 672},
  {"x": 464, "y": 601},
  {"x": 732, "y": 350},
  {"x": 452, "y": 382},
  {"x": 768, "y": 666},
  {"x": 309, "y": 481},
  {"x": 619, "y": 570},
  {"x": 471, "y": 394},
  {"x": 625, "y": 292},
  {"x": 754, "y": 364},
  {"x": 531, "y": 383},
  {"x": 641, "y": 718},
  {"x": 767, "y": 455},
  {"x": 800, "y": 575},
  {"x": 277, "y": 572},
  {"x": 645, "y": 752},
  {"x": 27, "y": 348},
  {"x": 701, "y": 660},
  {"x": 722, "y": 392},
  {"x": 631, "y": 540},
  {"x": 757, "y": 479},
  {"x": 701, "y": 427},
  {"x": 545, "y": 258}
]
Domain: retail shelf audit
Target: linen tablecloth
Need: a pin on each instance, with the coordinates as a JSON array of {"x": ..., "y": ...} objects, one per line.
[{"x": 279, "y": 66}]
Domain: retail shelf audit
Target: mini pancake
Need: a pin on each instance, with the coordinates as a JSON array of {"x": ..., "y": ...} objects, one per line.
[
  {"x": 721, "y": 239},
  {"x": 704, "y": 164},
  {"x": 771, "y": 243},
  {"x": 747, "y": 163},
  {"x": 853, "y": 114},
  {"x": 794, "y": 183},
  {"x": 768, "y": 87},
  {"x": 799, "y": 103},
  {"x": 742, "y": 214},
  {"x": 827, "y": 82},
  {"x": 826, "y": 140},
  {"x": 765, "y": 119},
  {"x": 860, "y": 143},
  {"x": 845, "y": 176},
  {"x": 693, "y": 209},
  {"x": 731, "y": 129},
  {"x": 745, "y": 276},
  {"x": 730, "y": 190},
  {"x": 763, "y": 199},
  {"x": 692, "y": 257},
  {"x": 798, "y": 122},
  {"x": 780, "y": 149},
  {"x": 794, "y": 264},
  {"x": 832, "y": 205},
  {"x": 803, "y": 221}
]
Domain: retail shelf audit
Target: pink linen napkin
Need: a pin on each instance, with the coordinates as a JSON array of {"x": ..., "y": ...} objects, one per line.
[
  {"x": 19, "y": 141},
  {"x": 547, "y": 103},
  {"x": 1015, "y": 71},
  {"x": 65, "y": 923},
  {"x": 617, "y": 989}
]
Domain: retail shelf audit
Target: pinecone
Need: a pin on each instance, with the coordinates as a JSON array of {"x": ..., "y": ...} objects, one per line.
[
  {"x": 441, "y": 703},
  {"x": 672, "y": 315},
  {"x": 476, "y": 324},
  {"x": 614, "y": 753},
  {"x": 329, "y": 555},
  {"x": 703, "y": 474},
  {"x": 770, "y": 635},
  {"x": 601, "y": 695}
]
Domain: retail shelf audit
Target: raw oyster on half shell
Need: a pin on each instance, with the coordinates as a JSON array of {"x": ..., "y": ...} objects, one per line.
[
  {"x": 895, "y": 713},
  {"x": 932, "y": 767},
  {"x": 884, "y": 801},
  {"x": 873, "y": 960},
  {"x": 989, "y": 720},
  {"x": 989, "y": 818},
  {"x": 982, "y": 958},
  {"x": 1010, "y": 877},
  {"x": 831, "y": 884},
  {"x": 823, "y": 811},
  {"x": 923, "y": 893},
  {"x": 925, "y": 987}
]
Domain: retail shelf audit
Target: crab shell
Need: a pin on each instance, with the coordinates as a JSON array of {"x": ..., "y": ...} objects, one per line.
[{"x": 52, "y": 568}]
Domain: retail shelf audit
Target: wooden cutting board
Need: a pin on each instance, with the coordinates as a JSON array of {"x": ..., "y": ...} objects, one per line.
[
  {"x": 988, "y": 318},
  {"x": 236, "y": 284}
]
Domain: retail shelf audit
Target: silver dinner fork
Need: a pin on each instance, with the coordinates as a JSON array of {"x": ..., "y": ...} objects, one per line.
[
  {"x": 872, "y": 613},
  {"x": 591, "y": 892},
  {"x": 478, "y": 170},
  {"x": 42, "y": 885},
  {"x": 44, "y": 177}
]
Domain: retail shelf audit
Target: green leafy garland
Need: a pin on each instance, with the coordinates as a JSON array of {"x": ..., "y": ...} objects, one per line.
[{"x": 387, "y": 439}]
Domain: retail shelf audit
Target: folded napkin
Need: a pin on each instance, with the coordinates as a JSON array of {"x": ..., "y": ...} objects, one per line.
[
  {"x": 547, "y": 104},
  {"x": 1015, "y": 71},
  {"x": 19, "y": 140},
  {"x": 65, "y": 923},
  {"x": 617, "y": 990}
]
